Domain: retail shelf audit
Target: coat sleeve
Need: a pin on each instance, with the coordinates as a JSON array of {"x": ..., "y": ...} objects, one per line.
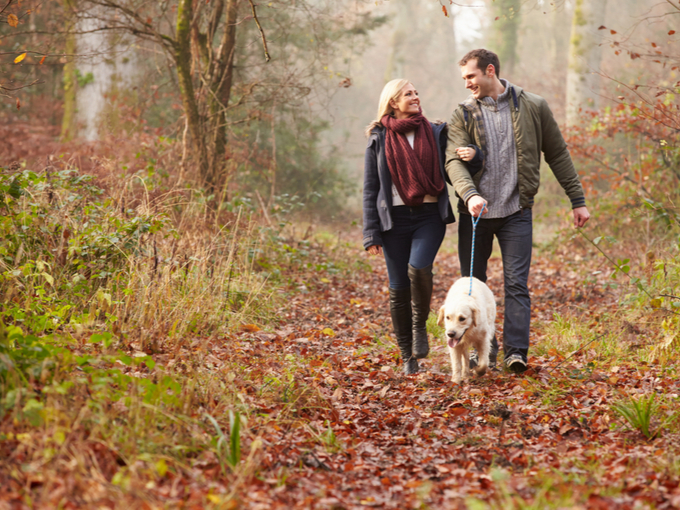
[
  {"x": 558, "y": 158},
  {"x": 457, "y": 170},
  {"x": 371, "y": 232},
  {"x": 476, "y": 163}
]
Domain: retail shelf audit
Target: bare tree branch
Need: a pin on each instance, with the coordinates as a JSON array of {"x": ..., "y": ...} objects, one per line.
[
  {"x": 12, "y": 89},
  {"x": 267, "y": 58},
  {"x": 9, "y": 2}
]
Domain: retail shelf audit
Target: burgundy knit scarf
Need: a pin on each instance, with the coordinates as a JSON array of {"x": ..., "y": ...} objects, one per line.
[{"x": 415, "y": 171}]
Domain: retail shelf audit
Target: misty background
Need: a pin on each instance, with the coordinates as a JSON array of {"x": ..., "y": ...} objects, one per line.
[{"x": 94, "y": 83}]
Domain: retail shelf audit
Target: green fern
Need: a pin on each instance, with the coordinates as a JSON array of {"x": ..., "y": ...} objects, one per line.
[{"x": 639, "y": 414}]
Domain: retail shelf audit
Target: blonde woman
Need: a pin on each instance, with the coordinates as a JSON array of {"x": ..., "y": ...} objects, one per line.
[{"x": 406, "y": 209}]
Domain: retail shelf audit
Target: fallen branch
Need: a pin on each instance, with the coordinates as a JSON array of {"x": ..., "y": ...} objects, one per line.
[{"x": 577, "y": 350}]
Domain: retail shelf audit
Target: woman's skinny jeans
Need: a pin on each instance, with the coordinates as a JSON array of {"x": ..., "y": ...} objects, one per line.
[{"x": 416, "y": 235}]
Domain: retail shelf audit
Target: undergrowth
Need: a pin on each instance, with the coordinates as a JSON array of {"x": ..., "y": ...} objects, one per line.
[{"x": 112, "y": 302}]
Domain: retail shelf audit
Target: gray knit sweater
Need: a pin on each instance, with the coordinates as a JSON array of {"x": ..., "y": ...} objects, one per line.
[{"x": 498, "y": 184}]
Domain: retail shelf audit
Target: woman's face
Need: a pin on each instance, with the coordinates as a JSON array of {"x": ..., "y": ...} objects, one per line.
[{"x": 407, "y": 104}]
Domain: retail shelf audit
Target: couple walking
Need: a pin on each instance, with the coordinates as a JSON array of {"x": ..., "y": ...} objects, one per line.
[{"x": 490, "y": 153}]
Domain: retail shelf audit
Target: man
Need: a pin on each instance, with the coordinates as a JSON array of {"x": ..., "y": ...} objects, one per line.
[{"x": 511, "y": 128}]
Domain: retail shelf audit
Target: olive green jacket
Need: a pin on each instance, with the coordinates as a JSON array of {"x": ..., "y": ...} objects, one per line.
[{"x": 535, "y": 131}]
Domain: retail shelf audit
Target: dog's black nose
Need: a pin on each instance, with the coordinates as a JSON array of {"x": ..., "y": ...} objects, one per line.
[{"x": 451, "y": 335}]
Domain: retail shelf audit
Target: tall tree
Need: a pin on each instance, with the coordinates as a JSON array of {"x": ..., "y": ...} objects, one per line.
[
  {"x": 585, "y": 53},
  {"x": 70, "y": 79},
  {"x": 403, "y": 23},
  {"x": 200, "y": 40},
  {"x": 505, "y": 33}
]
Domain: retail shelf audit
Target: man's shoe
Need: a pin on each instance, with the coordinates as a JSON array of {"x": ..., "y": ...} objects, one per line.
[
  {"x": 515, "y": 363},
  {"x": 474, "y": 359}
]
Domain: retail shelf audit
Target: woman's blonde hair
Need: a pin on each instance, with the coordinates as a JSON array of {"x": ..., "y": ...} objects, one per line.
[{"x": 391, "y": 90}]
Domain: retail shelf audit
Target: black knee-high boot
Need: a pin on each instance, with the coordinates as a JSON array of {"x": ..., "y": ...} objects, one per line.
[
  {"x": 421, "y": 295},
  {"x": 400, "y": 310}
]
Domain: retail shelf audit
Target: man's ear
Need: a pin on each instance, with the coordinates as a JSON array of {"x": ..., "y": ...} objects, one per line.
[
  {"x": 440, "y": 317},
  {"x": 490, "y": 70}
]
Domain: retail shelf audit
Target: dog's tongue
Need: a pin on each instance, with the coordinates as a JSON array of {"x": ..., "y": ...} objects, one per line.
[{"x": 451, "y": 342}]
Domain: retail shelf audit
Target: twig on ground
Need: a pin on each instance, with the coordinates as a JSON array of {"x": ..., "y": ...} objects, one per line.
[{"x": 577, "y": 350}]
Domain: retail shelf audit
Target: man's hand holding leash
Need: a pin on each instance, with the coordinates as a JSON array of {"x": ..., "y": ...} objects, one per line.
[{"x": 476, "y": 205}]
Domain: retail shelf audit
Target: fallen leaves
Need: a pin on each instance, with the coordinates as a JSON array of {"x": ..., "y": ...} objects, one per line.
[{"x": 339, "y": 426}]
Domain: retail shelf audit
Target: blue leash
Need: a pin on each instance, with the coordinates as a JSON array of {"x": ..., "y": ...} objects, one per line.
[{"x": 472, "y": 253}]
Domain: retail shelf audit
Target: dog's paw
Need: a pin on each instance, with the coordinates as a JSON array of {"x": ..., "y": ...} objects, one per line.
[{"x": 480, "y": 370}]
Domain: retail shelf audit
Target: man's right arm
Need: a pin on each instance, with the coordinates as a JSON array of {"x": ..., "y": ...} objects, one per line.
[{"x": 456, "y": 168}]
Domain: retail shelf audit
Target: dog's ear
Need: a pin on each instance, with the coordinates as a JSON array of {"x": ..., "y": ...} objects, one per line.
[
  {"x": 440, "y": 316},
  {"x": 474, "y": 311}
]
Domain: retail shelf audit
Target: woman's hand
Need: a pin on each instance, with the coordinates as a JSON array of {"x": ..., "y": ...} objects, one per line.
[
  {"x": 466, "y": 153},
  {"x": 376, "y": 249}
]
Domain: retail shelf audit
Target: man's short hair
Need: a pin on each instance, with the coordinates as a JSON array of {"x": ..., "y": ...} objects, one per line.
[{"x": 484, "y": 58}]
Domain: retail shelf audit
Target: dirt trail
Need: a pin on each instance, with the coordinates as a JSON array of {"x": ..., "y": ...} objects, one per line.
[{"x": 398, "y": 442}]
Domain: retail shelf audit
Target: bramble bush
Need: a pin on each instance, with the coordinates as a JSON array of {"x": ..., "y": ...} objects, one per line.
[
  {"x": 629, "y": 158},
  {"x": 98, "y": 283}
]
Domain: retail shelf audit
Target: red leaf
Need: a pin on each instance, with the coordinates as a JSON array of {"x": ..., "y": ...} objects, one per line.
[
  {"x": 671, "y": 32},
  {"x": 613, "y": 31},
  {"x": 18, "y": 103},
  {"x": 446, "y": 13},
  {"x": 601, "y": 27},
  {"x": 42, "y": 59}
]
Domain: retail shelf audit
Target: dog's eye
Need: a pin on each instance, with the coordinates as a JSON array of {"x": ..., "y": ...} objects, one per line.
[{"x": 461, "y": 319}]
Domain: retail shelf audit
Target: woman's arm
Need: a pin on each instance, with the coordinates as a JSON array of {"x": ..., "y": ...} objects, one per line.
[{"x": 371, "y": 229}]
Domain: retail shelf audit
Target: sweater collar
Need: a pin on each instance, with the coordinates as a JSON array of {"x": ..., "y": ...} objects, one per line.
[
  {"x": 502, "y": 98},
  {"x": 471, "y": 103}
]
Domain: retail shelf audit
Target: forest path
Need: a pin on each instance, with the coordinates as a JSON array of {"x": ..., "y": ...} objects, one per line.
[{"x": 347, "y": 430}]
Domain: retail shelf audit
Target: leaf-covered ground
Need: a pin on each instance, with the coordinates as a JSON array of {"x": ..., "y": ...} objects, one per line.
[
  {"x": 401, "y": 442},
  {"x": 333, "y": 424}
]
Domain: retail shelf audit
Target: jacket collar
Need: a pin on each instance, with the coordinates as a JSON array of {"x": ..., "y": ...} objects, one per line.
[
  {"x": 379, "y": 130},
  {"x": 470, "y": 102}
]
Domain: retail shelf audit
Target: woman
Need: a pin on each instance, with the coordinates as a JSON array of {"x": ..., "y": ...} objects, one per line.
[{"x": 406, "y": 209}]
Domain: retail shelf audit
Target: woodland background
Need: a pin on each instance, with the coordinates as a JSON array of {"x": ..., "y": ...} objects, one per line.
[{"x": 187, "y": 317}]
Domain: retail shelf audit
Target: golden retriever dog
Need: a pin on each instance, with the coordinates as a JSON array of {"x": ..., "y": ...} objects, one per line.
[{"x": 469, "y": 322}]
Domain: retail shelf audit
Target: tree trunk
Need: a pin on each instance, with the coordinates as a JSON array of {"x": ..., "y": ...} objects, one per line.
[
  {"x": 182, "y": 58},
  {"x": 221, "y": 77},
  {"x": 583, "y": 82},
  {"x": 68, "y": 121},
  {"x": 404, "y": 22},
  {"x": 504, "y": 38}
]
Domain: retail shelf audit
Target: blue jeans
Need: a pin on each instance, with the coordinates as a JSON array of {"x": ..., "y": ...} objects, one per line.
[
  {"x": 415, "y": 237},
  {"x": 514, "y": 234}
]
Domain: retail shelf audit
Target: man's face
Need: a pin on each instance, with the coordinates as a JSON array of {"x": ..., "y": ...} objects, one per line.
[{"x": 479, "y": 83}]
